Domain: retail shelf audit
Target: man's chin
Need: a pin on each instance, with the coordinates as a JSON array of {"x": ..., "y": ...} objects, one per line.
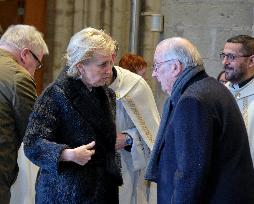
[{"x": 228, "y": 76}]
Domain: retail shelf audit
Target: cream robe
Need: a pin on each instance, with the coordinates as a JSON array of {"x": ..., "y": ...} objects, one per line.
[
  {"x": 138, "y": 116},
  {"x": 23, "y": 190},
  {"x": 245, "y": 99}
]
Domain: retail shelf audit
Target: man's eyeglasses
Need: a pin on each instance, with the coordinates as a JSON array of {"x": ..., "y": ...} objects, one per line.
[
  {"x": 39, "y": 65},
  {"x": 156, "y": 66},
  {"x": 231, "y": 57}
]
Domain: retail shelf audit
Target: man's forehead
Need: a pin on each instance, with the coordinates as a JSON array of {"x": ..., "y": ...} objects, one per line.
[
  {"x": 233, "y": 46},
  {"x": 161, "y": 54}
]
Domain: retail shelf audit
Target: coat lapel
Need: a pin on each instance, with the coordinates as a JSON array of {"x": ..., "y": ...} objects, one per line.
[
  {"x": 151, "y": 172},
  {"x": 82, "y": 100}
]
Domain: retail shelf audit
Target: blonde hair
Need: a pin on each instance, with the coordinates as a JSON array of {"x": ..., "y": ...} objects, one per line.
[{"x": 84, "y": 44}]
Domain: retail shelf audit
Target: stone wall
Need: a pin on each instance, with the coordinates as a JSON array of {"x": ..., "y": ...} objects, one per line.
[
  {"x": 69, "y": 16},
  {"x": 207, "y": 23}
]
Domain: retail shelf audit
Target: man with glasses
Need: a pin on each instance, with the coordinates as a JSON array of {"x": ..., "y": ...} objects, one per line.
[
  {"x": 201, "y": 152},
  {"x": 238, "y": 62},
  {"x": 21, "y": 50},
  {"x": 39, "y": 64}
]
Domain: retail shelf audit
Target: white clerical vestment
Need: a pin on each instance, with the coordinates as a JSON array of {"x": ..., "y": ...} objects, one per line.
[
  {"x": 137, "y": 115},
  {"x": 245, "y": 99},
  {"x": 23, "y": 190}
]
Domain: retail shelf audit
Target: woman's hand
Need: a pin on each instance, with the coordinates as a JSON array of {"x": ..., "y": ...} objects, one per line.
[{"x": 80, "y": 155}]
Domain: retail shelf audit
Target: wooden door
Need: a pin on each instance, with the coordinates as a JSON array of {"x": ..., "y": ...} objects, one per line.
[
  {"x": 11, "y": 12},
  {"x": 31, "y": 12},
  {"x": 36, "y": 14}
]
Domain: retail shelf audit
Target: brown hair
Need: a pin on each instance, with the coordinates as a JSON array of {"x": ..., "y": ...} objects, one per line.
[
  {"x": 246, "y": 41},
  {"x": 132, "y": 62}
]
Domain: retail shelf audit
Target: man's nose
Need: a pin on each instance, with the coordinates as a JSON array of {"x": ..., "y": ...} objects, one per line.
[{"x": 225, "y": 60}]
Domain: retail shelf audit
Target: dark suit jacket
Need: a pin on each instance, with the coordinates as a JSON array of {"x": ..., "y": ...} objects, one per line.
[{"x": 203, "y": 155}]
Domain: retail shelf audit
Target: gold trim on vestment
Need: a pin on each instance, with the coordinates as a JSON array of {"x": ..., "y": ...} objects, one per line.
[
  {"x": 245, "y": 111},
  {"x": 140, "y": 119}
]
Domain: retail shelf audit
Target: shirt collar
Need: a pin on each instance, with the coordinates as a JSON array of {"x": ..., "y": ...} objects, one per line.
[{"x": 243, "y": 83}]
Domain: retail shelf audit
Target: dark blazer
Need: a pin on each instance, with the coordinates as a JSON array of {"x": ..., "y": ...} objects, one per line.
[
  {"x": 203, "y": 153},
  {"x": 68, "y": 115}
]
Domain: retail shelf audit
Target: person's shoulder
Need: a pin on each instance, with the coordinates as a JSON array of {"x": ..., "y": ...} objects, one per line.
[
  {"x": 11, "y": 70},
  {"x": 52, "y": 94},
  {"x": 208, "y": 85},
  {"x": 21, "y": 74},
  {"x": 206, "y": 90},
  {"x": 211, "y": 93},
  {"x": 51, "y": 90}
]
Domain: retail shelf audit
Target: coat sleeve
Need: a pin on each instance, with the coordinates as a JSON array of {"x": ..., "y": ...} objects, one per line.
[
  {"x": 193, "y": 140},
  {"x": 40, "y": 141}
]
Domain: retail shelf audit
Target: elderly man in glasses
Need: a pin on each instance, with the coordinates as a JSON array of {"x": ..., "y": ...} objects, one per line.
[
  {"x": 238, "y": 61},
  {"x": 21, "y": 50},
  {"x": 201, "y": 153}
]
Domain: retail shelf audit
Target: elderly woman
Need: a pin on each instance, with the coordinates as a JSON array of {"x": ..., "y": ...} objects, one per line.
[{"x": 71, "y": 132}]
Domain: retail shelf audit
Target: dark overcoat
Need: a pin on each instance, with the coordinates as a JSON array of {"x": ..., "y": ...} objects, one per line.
[
  {"x": 68, "y": 115},
  {"x": 202, "y": 153}
]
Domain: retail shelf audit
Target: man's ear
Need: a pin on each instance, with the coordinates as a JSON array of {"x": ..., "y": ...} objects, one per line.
[
  {"x": 178, "y": 68},
  {"x": 251, "y": 61},
  {"x": 23, "y": 55}
]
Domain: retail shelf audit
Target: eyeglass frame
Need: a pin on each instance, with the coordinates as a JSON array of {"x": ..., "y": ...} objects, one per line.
[
  {"x": 231, "y": 57},
  {"x": 156, "y": 66},
  {"x": 39, "y": 66}
]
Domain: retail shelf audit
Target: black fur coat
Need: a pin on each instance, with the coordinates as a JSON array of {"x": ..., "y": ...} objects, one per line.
[{"x": 68, "y": 115}]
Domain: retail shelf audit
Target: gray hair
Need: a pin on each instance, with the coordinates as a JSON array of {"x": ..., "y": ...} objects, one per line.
[
  {"x": 84, "y": 44},
  {"x": 182, "y": 50},
  {"x": 24, "y": 36}
]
